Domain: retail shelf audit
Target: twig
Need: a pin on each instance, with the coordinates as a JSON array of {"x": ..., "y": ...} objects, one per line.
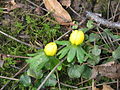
[
  {"x": 70, "y": 86},
  {"x": 14, "y": 76},
  {"x": 116, "y": 9},
  {"x": 64, "y": 35},
  {"x": 36, "y": 5},
  {"x": 102, "y": 21},
  {"x": 83, "y": 18},
  {"x": 17, "y": 40},
  {"x": 108, "y": 9},
  {"x": 84, "y": 81},
  {"x": 103, "y": 37},
  {"x": 58, "y": 81},
  {"x": 74, "y": 12},
  {"x": 13, "y": 56},
  {"x": 117, "y": 84},
  {"x": 8, "y": 78},
  {"x": 96, "y": 85},
  {"x": 40, "y": 86}
]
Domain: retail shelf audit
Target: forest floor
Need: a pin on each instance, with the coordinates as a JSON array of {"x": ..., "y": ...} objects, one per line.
[{"x": 26, "y": 26}]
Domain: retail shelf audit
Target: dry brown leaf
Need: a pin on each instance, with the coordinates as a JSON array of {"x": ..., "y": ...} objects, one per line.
[
  {"x": 107, "y": 87},
  {"x": 94, "y": 88},
  {"x": 110, "y": 70},
  {"x": 66, "y": 3},
  {"x": 59, "y": 13}
]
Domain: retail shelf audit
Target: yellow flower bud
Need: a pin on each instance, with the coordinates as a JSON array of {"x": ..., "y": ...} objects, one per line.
[
  {"x": 50, "y": 49},
  {"x": 76, "y": 37}
]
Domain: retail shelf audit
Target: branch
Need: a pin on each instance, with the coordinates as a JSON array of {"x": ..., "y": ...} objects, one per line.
[
  {"x": 40, "y": 86},
  {"x": 96, "y": 85},
  {"x": 8, "y": 78},
  {"x": 102, "y": 21},
  {"x": 13, "y": 56},
  {"x": 17, "y": 40}
]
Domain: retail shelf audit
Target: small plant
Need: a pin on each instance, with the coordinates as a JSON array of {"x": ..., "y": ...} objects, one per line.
[{"x": 73, "y": 47}]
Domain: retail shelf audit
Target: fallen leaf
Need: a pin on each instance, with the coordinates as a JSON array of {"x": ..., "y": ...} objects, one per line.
[
  {"x": 94, "y": 88},
  {"x": 66, "y": 3},
  {"x": 107, "y": 87},
  {"x": 110, "y": 70},
  {"x": 59, "y": 13}
]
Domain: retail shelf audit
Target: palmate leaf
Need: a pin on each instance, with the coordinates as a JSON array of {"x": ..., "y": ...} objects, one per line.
[
  {"x": 52, "y": 63},
  {"x": 38, "y": 61},
  {"x": 64, "y": 51},
  {"x": 116, "y": 53},
  {"x": 71, "y": 53},
  {"x": 34, "y": 73},
  {"x": 94, "y": 61},
  {"x": 96, "y": 51},
  {"x": 93, "y": 37},
  {"x": 90, "y": 24},
  {"x": 63, "y": 42},
  {"x": 25, "y": 80},
  {"x": 80, "y": 55},
  {"x": 51, "y": 81},
  {"x": 87, "y": 72},
  {"x": 75, "y": 71},
  {"x": 87, "y": 54}
]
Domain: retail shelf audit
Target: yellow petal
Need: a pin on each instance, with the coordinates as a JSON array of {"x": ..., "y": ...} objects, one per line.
[{"x": 50, "y": 49}]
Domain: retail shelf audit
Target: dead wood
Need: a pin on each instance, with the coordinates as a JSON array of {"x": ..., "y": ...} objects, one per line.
[{"x": 102, "y": 21}]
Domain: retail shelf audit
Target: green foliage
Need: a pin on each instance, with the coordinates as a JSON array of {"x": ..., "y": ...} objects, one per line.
[
  {"x": 63, "y": 52},
  {"x": 90, "y": 24},
  {"x": 75, "y": 71},
  {"x": 87, "y": 72},
  {"x": 1, "y": 10},
  {"x": 96, "y": 51},
  {"x": 38, "y": 61},
  {"x": 52, "y": 63},
  {"x": 93, "y": 37},
  {"x": 32, "y": 29},
  {"x": 63, "y": 42},
  {"x": 80, "y": 55},
  {"x": 9, "y": 62},
  {"x": 25, "y": 80},
  {"x": 51, "y": 32},
  {"x": 94, "y": 61},
  {"x": 71, "y": 53},
  {"x": 116, "y": 53},
  {"x": 51, "y": 81},
  {"x": 75, "y": 26},
  {"x": 35, "y": 73}
]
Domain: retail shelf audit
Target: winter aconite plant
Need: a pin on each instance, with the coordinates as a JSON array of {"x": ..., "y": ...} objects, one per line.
[
  {"x": 73, "y": 47},
  {"x": 44, "y": 57}
]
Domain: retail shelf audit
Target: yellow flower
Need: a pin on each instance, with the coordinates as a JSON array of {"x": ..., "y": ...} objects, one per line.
[
  {"x": 76, "y": 37},
  {"x": 50, "y": 49}
]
